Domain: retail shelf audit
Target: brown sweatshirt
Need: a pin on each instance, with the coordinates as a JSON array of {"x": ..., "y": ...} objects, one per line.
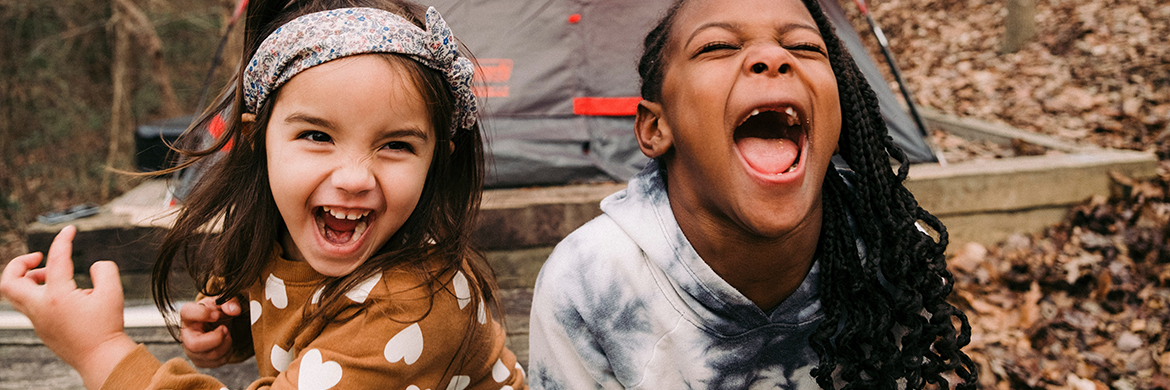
[{"x": 397, "y": 336}]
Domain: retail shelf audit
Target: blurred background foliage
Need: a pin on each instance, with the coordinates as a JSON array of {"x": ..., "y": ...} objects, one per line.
[{"x": 56, "y": 61}]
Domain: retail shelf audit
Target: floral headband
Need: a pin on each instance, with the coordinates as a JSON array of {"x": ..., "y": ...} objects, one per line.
[{"x": 316, "y": 38}]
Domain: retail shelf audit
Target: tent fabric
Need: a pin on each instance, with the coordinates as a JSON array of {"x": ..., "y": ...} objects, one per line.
[
  {"x": 560, "y": 85},
  {"x": 903, "y": 129}
]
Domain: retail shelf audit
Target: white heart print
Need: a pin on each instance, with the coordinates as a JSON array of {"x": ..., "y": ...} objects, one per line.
[
  {"x": 281, "y": 358},
  {"x": 500, "y": 372},
  {"x": 407, "y": 345},
  {"x": 254, "y": 308},
  {"x": 317, "y": 374},
  {"x": 274, "y": 291},
  {"x": 362, "y": 290},
  {"x": 317, "y": 295},
  {"x": 462, "y": 290},
  {"x": 459, "y": 382},
  {"x": 482, "y": 314}
]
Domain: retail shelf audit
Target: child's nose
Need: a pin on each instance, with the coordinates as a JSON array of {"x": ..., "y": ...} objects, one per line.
[
  {"x": 768, "y": 61},
  {"x": 353, "y": 177}
]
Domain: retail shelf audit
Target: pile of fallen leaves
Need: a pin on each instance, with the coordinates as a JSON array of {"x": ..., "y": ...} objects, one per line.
[
  {"x": 1097, "y": 70},
  {"x": 1085, "y": 304},
  {"x": 1082, "y": 305}
]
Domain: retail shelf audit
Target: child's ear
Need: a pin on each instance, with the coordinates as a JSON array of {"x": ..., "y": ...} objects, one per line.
[{"x": 654, "y": 137}]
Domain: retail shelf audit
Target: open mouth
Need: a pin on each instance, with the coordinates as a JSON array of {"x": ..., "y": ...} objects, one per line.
[
  {"x": 771, "y": 139},
  {"x": 341, "y": 226}
]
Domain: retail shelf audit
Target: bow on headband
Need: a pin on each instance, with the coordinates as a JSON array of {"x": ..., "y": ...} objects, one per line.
[{"x": 316, "y": 38}]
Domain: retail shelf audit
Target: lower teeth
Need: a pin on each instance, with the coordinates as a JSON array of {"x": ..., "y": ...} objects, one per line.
[{"x": 359, "y": 229}]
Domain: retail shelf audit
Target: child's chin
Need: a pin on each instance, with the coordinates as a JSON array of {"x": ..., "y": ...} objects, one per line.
[{"x": 334, "y": 267}]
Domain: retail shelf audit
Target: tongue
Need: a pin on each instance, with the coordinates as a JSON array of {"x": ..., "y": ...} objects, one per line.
[
  {"x": 338, "y": 231},
  {"x": 768, "y": 155},
  {"x": 340, "y": 225}
]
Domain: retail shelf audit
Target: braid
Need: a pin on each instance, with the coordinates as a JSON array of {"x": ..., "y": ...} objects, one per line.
[
  {"x": 904, "y": 330},
  {"x": 887, "y": 323}
]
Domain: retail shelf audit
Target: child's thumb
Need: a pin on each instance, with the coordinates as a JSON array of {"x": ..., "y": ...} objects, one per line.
[{"x": 105, "y": 278}]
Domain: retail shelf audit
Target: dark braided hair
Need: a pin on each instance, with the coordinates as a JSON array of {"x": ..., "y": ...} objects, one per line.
[{"x": 886, "y": 316}]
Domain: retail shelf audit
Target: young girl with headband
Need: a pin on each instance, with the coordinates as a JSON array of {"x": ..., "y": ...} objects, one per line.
[
  {"x": 742, "y": 257},
  {"x": 343, "y": 211}
]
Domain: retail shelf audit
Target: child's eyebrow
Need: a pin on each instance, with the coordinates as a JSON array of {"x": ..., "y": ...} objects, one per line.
[
  {"x": 400, "y": 133},
  {"x": 384, "y": 134},
  {"x": 312, "y": 120},
  {"x": 735, "y": 27}
]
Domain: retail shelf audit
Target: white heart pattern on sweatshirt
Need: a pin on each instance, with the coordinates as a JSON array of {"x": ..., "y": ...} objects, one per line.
[
  {"x": 462, "y": 289},
  {"x": 316, "y": 374},
  {"x": 274, "y": 291},
  {"x": 255, "y": 308},
  {"x": 500, "y": 372},
  {"x": 482, "y": 314},
  {"x": 407, "y": 345},
  {"x": 360, "y": 292},
  {"x": 281, "y": 358},
  {"x": 317, "y": 295},
  {"x": 459, "y": 382}
]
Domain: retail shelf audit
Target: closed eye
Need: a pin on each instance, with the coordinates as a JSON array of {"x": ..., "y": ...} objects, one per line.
[
  {"x": 810, "y": 47},
  {"x": 315, "y": 136},
  {"x": 399, "y": 145},
  {"x": 715, "y": 46}
]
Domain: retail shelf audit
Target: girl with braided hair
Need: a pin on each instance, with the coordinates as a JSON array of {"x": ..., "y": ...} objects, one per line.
[
  {"x": 344, "y": 210},
  {"x": 742, "y": 257}
]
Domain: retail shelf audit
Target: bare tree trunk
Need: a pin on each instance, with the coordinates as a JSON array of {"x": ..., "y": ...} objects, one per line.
[
  {"x": 1020, "y": 24},
  {"x": 121, "y": 135},
  {"x": 147, "y": 37}
]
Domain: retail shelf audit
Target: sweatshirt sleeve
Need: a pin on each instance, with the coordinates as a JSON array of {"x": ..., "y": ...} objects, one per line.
[{"x": 140, "y": 371}]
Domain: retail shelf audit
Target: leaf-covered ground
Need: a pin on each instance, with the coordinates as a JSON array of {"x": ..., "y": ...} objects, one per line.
[{"x": 1084, "y": 304}]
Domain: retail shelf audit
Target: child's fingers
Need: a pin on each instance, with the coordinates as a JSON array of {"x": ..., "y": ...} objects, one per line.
[
  {"x": 36, "y": 275},
  {"x": 231, "y": 307},
  {"x": 14, "y": 282},
  {"x": 106, "y": 280},
  {"x": 196, "y": 314},
  {"x": 204, "y": 343},
  {"x": 59, "y": 265}
]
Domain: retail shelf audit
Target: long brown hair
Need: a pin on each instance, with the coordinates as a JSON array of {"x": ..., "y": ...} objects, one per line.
[{"x": 233, "y": 194}]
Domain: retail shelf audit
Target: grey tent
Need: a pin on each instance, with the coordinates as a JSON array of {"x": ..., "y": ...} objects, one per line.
[{"x": 560, "y": 84}]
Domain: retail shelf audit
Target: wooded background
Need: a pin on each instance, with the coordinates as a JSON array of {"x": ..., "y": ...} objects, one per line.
[{"x": 75, "y": 72}]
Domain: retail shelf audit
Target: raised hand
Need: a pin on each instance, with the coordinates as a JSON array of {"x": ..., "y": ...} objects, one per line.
[
  {"x": 205, "y": 334},
  {"x": 83, "y": 327}
]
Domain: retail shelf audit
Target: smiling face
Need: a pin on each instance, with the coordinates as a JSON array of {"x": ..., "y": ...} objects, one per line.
[
  {"x": 748, "y": 119},
  {"x": 349, "y": 144}
]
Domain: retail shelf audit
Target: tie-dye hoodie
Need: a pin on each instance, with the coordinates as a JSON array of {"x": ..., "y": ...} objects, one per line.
[{"x": 626, "y": 302}]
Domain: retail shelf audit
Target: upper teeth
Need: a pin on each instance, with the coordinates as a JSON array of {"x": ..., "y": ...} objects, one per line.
[
  {"x": 352, "y": 215},
  {"x": 790, "y": 115}
]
